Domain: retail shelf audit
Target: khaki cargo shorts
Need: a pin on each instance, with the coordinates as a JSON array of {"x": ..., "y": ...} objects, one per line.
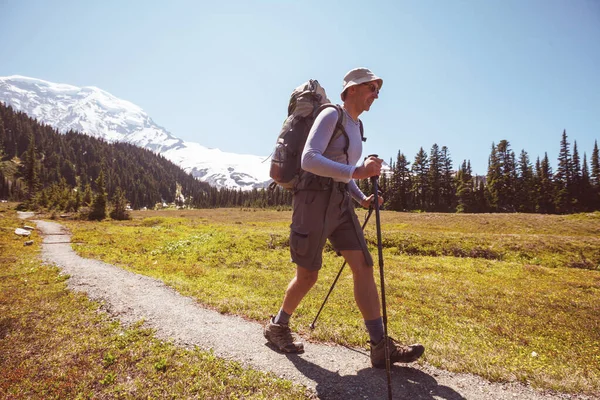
[{"x": 320, "y": 215}]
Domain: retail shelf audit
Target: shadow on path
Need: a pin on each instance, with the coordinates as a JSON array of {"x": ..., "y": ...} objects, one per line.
[{"x": 371, "y": 383}]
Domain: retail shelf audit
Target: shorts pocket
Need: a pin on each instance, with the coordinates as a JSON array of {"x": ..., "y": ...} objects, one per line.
[
  {"x": 299, "y": 243},
  {"x": 310, "y": 196}
]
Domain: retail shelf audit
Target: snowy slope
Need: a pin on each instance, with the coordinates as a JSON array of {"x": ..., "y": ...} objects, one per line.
[
  {"x": 221, "y": 169},
  {"x": 97, "y": 113}
]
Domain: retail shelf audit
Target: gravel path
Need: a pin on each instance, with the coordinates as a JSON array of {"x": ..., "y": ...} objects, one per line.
[{"x": 333, "y": 372}]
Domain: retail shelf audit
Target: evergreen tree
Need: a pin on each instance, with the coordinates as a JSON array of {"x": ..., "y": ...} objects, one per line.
[
  {"x": 595, "y": 173},
  {"x": 447, "y": 184},
  {"x": 576, "y": 165},
  {"x": 545, "y": 186},
  {"x": 595, "y": 178},
  {"x": 86, "y": 199},
  {"x": 537, "y": 184},
  {"x": 401, "y": 184},
  {"x": 481, "y": 204},
  {"x": 4, "y": 189},
  {"x": 464, "y": 189},
  {"x": 2, "y": 136},
  {"x": 3, "y": 186},
  {"x": 31, "y": 174},
  {"x": 383, "y": 185},
  {"x": 576, "y": 189},
  {"x": 62, "y": 196},
  {"x": 119, "y": 206},
  {"x": 563, "y": 177},
  {"x": 77, "y": 200},
  {"x": 493, "y": 175},
  {"x": 525, "y": 190},
  {"x": 434, "y": 179},
  {"x": 98, "y": 211},
  {"x": 43, "y": 199},
  {"x": 501, "y": 178},
  {"x": 419, "y": 187},
  {"x": 587, "y": 192},
  {"x": 509, "y": 174}
]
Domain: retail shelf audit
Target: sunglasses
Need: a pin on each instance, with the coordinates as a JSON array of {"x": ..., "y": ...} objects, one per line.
[{"x": 372, "y": 86}]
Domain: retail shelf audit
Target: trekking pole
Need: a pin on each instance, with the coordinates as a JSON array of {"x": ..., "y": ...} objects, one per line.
[
  {"x": 312, "y": 326},
  {"x": 375, "y": 180}
]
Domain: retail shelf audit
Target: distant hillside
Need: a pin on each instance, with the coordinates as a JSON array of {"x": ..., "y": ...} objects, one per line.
[
  {"x": 146, "y": 178},
  {"x": 97, "y": 113}
]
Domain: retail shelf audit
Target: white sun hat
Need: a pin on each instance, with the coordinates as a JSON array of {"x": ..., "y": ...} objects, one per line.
[{"x": 359, "y": 76}]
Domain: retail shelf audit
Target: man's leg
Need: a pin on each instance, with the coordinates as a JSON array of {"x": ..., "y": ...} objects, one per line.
[
  {"x": 367, "y": 299},
  {"x": 299, "y": 286},
  {"x": 365, "y": 293},
  {"x": 277, "y": 330},
  {"x": 307, "y": 238},
  {"x": 365, "y": 290}
]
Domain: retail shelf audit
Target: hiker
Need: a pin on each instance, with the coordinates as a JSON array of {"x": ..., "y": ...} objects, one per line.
[{"x": 323, "y": 209}]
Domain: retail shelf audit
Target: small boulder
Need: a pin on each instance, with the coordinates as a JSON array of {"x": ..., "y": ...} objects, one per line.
[
  {"x": 22, "y": 232},
  {"x": 28, "y": 243}
]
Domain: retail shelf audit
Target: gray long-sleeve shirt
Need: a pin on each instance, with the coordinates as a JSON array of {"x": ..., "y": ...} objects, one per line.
[{"x": 330, "y": 161}]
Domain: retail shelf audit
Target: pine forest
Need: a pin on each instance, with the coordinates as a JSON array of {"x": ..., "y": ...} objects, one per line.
[{"x": 43, "y": 169}]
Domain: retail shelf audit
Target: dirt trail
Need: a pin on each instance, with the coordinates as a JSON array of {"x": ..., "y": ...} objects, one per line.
[{"x": 333, "y": 372}]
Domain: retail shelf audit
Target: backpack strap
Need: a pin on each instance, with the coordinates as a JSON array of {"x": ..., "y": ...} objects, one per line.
[
  {"x": 339, "y": 127},
  {"x": 362, "y": 131}
]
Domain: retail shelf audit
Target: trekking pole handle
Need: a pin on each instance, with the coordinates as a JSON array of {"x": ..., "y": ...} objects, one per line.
[
  {"x": 374, "y": 181},
  {"x": 383, "y": 164}
]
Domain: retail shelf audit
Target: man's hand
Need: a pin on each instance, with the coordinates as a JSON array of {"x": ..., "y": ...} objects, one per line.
[
  {"x": 371, "y": 167},
  {"x": 367, "y": 202}
]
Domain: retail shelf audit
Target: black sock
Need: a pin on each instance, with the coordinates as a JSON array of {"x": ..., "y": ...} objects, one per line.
[
  {"x": 282, "y": 318},
  {"x": 375, "y": 328}
]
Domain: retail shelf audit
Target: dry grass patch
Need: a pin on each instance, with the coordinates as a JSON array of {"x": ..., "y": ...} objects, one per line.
[{"x": 56, "y": 344}]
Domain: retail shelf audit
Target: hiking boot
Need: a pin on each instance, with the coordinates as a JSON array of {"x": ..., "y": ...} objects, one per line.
[
  {"x": 280, "y": 336},
  {"x": 398, "y": 352}
]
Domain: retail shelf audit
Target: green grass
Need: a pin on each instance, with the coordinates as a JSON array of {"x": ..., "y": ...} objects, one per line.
[
  {"x": 505, "y": 296},
  {"x": 56, "y": 344}
]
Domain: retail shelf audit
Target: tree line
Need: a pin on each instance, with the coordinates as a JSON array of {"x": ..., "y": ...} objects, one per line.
[
  {"x": 512, "y": 184},
  {"x": 45, "y": 169}
]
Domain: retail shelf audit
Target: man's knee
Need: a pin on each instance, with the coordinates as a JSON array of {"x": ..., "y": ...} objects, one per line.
[
  {"x": 306, "y": 276},
  {"x": 357, "y": 262}
]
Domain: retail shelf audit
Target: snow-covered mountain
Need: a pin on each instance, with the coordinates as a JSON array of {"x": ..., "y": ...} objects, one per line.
[{"x": 97, "y": 113}]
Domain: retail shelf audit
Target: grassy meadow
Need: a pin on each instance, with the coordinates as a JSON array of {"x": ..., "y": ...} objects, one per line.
[
  {"x": 56, "y": 344},
  {"x": 504, "y": 296}
]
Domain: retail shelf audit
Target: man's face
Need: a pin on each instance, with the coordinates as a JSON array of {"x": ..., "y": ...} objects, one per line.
[{"x": 367, "y": 93}]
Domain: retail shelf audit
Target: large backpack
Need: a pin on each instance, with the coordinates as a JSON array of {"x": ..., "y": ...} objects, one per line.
[{"x": 306, "y": 102}]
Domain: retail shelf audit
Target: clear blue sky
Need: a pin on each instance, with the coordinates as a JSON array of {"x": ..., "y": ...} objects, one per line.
[{"x": 462, "y": 74}]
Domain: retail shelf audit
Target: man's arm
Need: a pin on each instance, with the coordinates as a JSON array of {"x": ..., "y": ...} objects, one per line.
[
  {"x": 355, "y": 192},
  {"x": 318, "y": 139}
]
